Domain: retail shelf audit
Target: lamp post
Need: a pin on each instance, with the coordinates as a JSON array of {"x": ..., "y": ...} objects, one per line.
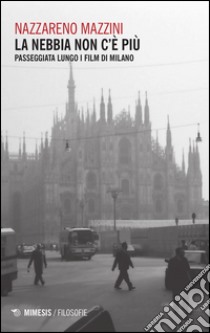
[
  {"x": 114, "y": 193},
  {"x": 114, "y": 197},
  {"x": 61, "y": 218},
  {"x": 82, "y": 206},
  {"x": 198, "y": 138}
]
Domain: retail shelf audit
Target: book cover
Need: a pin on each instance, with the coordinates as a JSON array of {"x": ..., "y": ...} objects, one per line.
[{"x": 104, "y": 166}]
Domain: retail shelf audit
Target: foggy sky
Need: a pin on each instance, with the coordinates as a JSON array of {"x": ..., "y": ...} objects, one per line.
[{"x": 172, "y": 66}]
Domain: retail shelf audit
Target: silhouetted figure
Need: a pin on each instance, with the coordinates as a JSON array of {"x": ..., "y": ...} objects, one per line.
[
  {"x": 39, "y": 260},
  {"x": 179, "y": 272},
  {"x": 193, "y": 218},
  {"x": 123, "y": 261},
  {"x": 184, "y": 245}
]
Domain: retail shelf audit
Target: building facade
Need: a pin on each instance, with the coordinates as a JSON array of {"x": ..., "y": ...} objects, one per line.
[{"x": 68, "y": 180}]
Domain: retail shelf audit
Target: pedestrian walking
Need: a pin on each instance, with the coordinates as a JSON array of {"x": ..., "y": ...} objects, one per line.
[
  {"x": 123, "y": 261},
  {"x": 39, "y": 260},
  {"x": 179, "y": 272}
]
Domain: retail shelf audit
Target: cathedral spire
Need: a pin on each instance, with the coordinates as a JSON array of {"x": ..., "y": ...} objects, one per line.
[
  {"x": 110, "y": 113},
  {"x": 71, "y": 91},
  {"x": 194, "y": 158},
  {"x": 193, "y": 147},
  {"x": 190, "y": 157},
  {"x": 20, "y": 152},
  {"x": 146, "y": 111},
  {"x": 41, "y": 146},
  {"x": 82, "y": 117},
  {"x": 139, "y": 98},
  {"x": 138, "y": 110},
  {"x": 102, "y": 108},
  {"x": 129, "y": 111},
  {"x": 71, "y": 78},
  {"x": 88, "y": 124},
  {"x": 24, "y": 146},
  {"x": 94, "y": 112},
  {"x": 198, "y": 169},
  {"x": 168, "y": 136},
  {"x": 190, "y": 146},
  {"x": 183, "y": 162},
  {"x": 80, "y": 128}
]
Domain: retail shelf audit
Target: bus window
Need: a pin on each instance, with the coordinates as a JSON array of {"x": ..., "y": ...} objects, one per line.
[
  {"x": 81, "y": 237},
  {"x": 73, "y": 237}
]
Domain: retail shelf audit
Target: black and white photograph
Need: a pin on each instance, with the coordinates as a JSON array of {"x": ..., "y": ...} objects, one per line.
[{"x": 105, "y": 166}]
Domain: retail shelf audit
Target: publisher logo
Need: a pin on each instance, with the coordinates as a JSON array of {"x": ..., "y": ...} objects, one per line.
[
  {"x": 39, "y": 312},
  {"x": 16, "y": 312}
]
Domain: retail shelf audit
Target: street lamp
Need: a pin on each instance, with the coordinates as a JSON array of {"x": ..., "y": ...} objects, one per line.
[
  {"x": 198, "y": 139},
  {"x": 61, "y": 218},
  {"x": 82, "y": 206},
  {"x": 114, "y": 193}
]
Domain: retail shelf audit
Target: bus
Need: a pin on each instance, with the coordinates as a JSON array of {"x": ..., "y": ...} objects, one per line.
[
  {"x": 77, "y": 243},
  {"x": 8, "y": 260}
]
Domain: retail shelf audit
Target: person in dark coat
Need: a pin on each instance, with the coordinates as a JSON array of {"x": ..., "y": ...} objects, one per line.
[
  {"x": 123, "y": 261},
  {"x": 39, "y": 260},
  {"x": 179, "y": 272}
]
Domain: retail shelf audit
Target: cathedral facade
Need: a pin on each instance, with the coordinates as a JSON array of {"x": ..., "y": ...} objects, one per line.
[{"x": 69, "y": 179}]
